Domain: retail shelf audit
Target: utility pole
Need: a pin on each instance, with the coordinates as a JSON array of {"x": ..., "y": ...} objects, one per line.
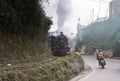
[{"x": 91, "y": 16}]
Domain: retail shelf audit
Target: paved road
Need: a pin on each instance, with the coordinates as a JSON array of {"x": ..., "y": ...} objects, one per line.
[{"x": 110, "y": 73}]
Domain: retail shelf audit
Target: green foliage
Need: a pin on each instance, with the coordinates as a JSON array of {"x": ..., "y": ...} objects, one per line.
[
  {"x": 23, "y": 26},
  {"x": 14, "y": 76},
  {"x": 27, "y": 56},
  {"x": 103, "y": 34},
  {"x": 23, "y": 17}
]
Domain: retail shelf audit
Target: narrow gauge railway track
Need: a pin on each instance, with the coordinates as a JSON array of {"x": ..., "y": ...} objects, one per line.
[{"x": 26, "y": 65}]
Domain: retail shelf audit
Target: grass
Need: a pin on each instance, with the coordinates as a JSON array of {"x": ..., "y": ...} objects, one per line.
[{"x": 58, "y": 70}]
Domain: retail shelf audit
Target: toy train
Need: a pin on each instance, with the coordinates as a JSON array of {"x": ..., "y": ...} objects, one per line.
[{"x": 59, "y": 45}]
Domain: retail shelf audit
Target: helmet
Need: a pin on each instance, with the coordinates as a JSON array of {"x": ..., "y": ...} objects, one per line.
[{"x": 99, "y": 50}]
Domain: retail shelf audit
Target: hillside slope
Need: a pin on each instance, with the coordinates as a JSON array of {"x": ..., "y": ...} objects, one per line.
[
  {"x": 23, "y": 30},
  {"x": 103, "y": 34}
]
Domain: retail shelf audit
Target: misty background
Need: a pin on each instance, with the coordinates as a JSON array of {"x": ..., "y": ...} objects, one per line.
[
  {"x": 65, "y": 13},
  {"x": 61, "y": 12},
  {"x": 100, "y": 30}
]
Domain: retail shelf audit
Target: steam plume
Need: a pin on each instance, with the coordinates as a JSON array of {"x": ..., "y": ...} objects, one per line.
[{"x": 63, "y": 10}]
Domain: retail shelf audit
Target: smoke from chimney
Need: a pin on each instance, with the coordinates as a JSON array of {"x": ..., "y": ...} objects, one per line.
[{"x": 63, "y": 10}]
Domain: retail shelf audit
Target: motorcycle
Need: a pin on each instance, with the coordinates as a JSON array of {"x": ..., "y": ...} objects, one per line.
[{"x": 102, "y": 63}]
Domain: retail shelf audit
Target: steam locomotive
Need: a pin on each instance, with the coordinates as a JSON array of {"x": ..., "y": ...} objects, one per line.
[{"x": 59, "y": 45}]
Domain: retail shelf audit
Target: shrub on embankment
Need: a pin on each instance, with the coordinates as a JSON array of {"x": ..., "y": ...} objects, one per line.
[{"x": 58, "y": 70}]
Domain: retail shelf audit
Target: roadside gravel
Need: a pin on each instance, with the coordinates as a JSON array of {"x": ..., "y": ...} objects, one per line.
[{"x": 87, "y": 71}]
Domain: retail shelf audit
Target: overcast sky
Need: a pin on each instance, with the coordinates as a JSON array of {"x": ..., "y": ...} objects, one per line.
[{"x": 83, "y": 9}]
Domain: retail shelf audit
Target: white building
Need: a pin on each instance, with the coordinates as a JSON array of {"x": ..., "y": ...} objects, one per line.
[{"x": 114, "y": 8}]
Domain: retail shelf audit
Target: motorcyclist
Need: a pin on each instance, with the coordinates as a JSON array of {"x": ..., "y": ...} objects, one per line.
[{"x": 100, "y": 55}]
